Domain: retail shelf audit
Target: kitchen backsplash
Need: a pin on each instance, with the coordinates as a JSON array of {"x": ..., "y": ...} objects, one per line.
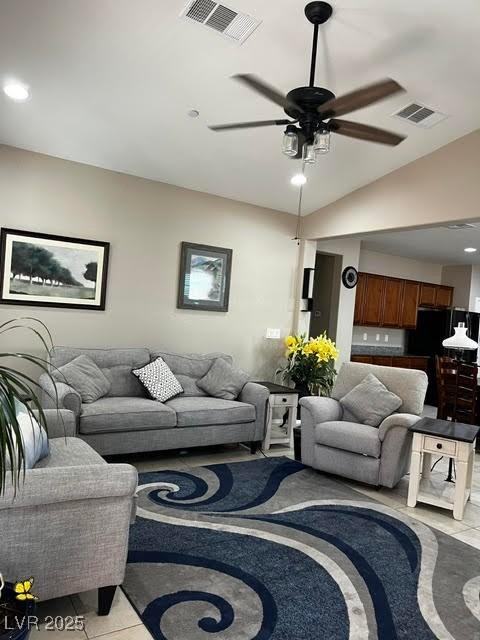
[{"x": 387, "y": 338}]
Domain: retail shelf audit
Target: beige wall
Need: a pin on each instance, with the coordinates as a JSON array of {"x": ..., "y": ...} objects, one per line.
[
  {"x": 399, "y": 267},
  {"x": 440, "y": 187},
  {"x": 145, "y": 222},
  {"x": 459, "y": 276}
]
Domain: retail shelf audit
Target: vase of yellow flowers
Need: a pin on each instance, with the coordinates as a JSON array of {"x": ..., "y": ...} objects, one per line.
[{"x": 310, "y": 364}]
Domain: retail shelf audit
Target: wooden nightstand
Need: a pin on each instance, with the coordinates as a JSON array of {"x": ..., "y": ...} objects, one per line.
[
  {"x": 281, "y": 399},
  {"x": 450, "y": 439}
]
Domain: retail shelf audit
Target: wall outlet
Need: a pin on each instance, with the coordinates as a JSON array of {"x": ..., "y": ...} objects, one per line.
[
  {"x": 365, "y": 337},
  {"x": 273, "y": 334},
  {"x": 386, "y": 337},
  {"x": 377, "y": 337}
]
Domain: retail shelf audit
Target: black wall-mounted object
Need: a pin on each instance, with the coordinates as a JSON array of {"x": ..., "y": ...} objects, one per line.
[
  {"x": 350, "y": 277},
  {"x": 307, "y": 288}
]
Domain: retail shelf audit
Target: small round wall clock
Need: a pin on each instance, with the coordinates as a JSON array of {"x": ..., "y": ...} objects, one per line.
[{"x": 350, "y": 277}]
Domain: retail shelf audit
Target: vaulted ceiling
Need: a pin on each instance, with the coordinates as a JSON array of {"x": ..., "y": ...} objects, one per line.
[{"x": 112, "y": 81}]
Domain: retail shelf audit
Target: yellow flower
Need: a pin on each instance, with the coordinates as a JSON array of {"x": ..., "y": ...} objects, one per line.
[{"x": 290, "y": 341}]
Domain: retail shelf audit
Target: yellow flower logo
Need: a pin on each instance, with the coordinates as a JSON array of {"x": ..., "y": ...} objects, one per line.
[{"x": 23, "y": 590}]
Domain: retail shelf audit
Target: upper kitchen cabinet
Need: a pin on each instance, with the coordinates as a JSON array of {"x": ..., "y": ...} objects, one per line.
[{"x": 392, "y": 302}]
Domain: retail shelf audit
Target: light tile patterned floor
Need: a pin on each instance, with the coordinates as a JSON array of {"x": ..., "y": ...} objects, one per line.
[{"x": 124, "y": 624}]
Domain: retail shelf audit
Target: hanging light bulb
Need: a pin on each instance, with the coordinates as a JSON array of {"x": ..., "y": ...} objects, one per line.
[
  {"x": 308, "y": 153},
  {"x": 290, "y": 141},
  {"x": 322, "y": 141}
]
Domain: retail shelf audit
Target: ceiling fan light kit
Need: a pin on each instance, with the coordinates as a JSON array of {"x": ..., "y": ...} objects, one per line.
[{"x": 314, "y": 111}]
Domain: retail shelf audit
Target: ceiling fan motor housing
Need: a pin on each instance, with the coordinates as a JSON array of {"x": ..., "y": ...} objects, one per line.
[{"x": 309, "y": 99}]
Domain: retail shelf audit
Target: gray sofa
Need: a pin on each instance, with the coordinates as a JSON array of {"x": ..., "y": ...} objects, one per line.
[
  {"x": 68, "y": 525},
  {"x": 127, "y": 421},
  {"x": 335, "y": 443}
]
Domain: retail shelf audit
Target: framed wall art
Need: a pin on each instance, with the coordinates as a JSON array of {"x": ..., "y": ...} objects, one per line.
[
  {"x": 204, "y": 277},
  {"x": 52, "y": 271}
]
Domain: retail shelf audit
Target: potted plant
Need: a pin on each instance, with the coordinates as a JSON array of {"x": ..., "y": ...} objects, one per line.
[
  {"x": 18, "y": 388},
  {"x": 310, "y": 364}
]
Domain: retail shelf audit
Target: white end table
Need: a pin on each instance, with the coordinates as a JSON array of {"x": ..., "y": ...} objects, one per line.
[
  {"x": 281, "y": 399},
  {"x": 453, "y": 440}
]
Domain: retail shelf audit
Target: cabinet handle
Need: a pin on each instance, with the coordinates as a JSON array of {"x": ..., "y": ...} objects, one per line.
[
  {"x": 284, "y": 399},
  {"x": 439, "y": 446}
]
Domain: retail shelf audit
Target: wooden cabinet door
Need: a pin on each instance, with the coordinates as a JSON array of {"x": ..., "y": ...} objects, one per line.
[
  {"x": 392, "y": 307},
  {"x": 360, "y": 299},
  {"x": 374, "y": 300},
  {"x": 444, "y": 297},
  {"x": 364, "y": 359},
  {"x": 428, "y": 294},
  {"x": 383, "y": 361},
  {"x": 411, "y": 296}
]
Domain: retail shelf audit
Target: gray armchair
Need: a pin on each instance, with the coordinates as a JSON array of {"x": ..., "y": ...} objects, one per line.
[
  {"x": 335, "y": 443},
  {"x": 68, "y": 524}
]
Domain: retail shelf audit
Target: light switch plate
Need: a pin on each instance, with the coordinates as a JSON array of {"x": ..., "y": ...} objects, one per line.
[
  {"x": 386, "y": 337},
  {"x": 273, "y": 334},
  {"x": 365, "y": 337},
  {"x": 377, "y": 337}
]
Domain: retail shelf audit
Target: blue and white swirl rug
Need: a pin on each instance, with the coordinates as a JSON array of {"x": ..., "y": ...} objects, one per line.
[{"x": 270, "y": 549}]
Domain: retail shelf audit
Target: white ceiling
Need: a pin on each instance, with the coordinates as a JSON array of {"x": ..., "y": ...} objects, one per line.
[
  {"x": 439, "y": 244},
  {"x": 112, "y": 80}
]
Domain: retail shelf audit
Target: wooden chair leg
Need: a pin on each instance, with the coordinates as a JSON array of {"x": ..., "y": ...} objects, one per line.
[{"x": 105, "y": 599}]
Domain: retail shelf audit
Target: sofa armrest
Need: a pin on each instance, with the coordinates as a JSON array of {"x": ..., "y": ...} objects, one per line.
[
  {"x": 67, "y": 484},
  {"x": 256, "y": 394},
  {"x": 314, "y": 410},
  {"x": 396, "y": 438},
  {"x": 61, "y": 423},
  {"x": 396, "y": 420},
  {"x": 59, "y": 394}
]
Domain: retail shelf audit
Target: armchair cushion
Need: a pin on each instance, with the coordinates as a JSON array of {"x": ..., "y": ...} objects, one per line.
[
  {"x": 83, "y": 375},
  {"x": 349, "y": 436},
  {"x": 370, "y": 401}
]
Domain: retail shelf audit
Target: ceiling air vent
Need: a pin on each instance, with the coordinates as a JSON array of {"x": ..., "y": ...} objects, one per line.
[
  {"x": 461, "y": 225},
  {"x": 232, "y": 24},
  {"x": 420, "y": 115}
]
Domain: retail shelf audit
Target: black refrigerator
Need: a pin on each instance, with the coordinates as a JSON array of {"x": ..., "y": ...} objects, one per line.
[{"x": 433, "y": 326}]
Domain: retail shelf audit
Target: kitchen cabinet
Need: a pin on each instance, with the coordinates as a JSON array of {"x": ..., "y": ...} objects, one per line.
[
  {"x": 373, "y": 300},
  {"x": 403, "y": 362},
  {"x": 410, "y": 305},
  {"x": 382, "y": 301},
  {"x": 444, "y": 297},
  {"x": 393, "y": 302}
]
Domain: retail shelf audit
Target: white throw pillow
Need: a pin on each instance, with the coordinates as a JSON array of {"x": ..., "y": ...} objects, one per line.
[
  {"x": 158, "y": 380},
  {"x": 34, "y": 438}
]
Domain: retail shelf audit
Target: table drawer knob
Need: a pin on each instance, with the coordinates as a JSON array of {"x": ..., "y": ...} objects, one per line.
[
  {"x": 284, "y": 399},
  {"x": 439, "y": 445}
]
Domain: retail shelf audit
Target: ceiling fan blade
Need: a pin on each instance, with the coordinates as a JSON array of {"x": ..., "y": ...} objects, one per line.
[
  {"x": 248, "y": 125},
  {"x": 359, "y": 98},
  {"x": 365, "y": 132},
  {"x": 266, "y": 90}
]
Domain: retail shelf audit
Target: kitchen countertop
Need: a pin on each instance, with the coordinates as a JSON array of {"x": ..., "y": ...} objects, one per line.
[{"x": 369, "y": 350}]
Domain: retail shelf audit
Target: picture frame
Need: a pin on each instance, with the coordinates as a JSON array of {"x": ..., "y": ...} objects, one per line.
[
  {"x": 204, "y": 282},
  {"x": 43, "y": 270}
]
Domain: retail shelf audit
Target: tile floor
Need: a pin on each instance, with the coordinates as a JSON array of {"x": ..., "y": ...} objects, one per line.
[{"x": 124, "y": 624}]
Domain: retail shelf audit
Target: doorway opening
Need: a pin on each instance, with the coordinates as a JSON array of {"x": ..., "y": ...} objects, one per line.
[{"x": 326, "y": 293}]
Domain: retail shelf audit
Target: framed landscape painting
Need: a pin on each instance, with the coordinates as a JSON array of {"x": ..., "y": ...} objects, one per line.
[
  {"x": 54, "y": 271},
  {"x": 204, "y": 277}
]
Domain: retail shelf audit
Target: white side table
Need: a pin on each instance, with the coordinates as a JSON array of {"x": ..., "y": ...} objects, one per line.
[
  {"x": 450, "y": 439},
  {"x": 281, "y": 400}
]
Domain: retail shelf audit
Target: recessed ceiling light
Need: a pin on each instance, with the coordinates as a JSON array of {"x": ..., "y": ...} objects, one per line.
[
  {"x": 298, "y": 180},
  {"x": 193, "y": 113},
  {"x": 16, "y": 91},
  {"x": 470, "y": 250}
]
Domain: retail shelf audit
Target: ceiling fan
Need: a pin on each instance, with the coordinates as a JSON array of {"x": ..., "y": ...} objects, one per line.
[{"x": 314, "y": 111}]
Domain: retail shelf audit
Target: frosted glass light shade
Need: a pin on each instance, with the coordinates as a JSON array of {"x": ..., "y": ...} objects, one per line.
[{"x": 460, "y": 340}]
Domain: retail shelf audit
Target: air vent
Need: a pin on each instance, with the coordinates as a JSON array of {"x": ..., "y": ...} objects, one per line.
[
  {"x": 461, "y": 225},
  {"x": 420, "y": 115},
  {"x": 232, "y": 24}
]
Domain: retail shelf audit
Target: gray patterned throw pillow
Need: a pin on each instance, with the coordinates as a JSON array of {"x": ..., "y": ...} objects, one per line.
[
  {"x": 158, "y": 380},
  {"x": 370, "y": 401}
]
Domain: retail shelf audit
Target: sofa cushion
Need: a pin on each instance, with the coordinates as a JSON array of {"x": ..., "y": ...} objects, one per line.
[
  {"x": 83, "y": 375},
  {"x": 349, "y": 436},
  {"x": 69, "y": 452},
  {"x": 370, "y": 401},
  {"x": 196, "y": 412},
  {"x": 223, "y": 380},
  {"x": 190, "y": 367},
  {"x": 125, "y": 414}
]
